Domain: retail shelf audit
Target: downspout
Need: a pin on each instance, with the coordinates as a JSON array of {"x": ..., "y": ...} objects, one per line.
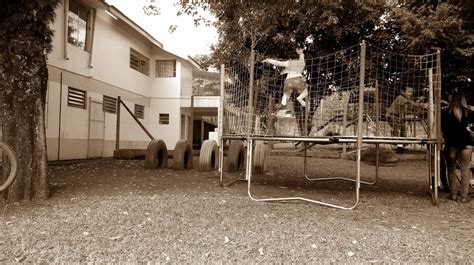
[
  {"x": 94, "y": 14},
  {"x": 66, "y": 9},
  {"x": 60, "y": 111}
]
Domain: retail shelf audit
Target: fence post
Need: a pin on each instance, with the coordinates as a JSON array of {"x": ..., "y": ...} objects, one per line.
[
  {"x": 431, "y": 123},
  {"x": 361, "y": 112},
  {"x": 220, "y": 114},
  {"x": 250, "y": 103}
]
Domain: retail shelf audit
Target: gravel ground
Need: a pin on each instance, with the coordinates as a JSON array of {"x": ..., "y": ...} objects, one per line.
[{"x": 116, "y": 211}]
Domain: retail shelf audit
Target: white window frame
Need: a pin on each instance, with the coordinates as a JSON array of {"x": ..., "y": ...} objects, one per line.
[
  {"x": 165, "y": 68},
  {"x": 139, "y": 62}
]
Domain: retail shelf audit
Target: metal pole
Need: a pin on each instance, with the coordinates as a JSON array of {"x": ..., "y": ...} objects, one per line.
[
  {"x": 377, "y": 108},
  {"x": 190, "y": 140},
  {"x": 431, "y": 102},
  {"x": 220, "y": 114},
  {"x": 361, "y": 114},
  {"x": 60, "y": 112},
  {"x": 135, "y": 118},
  {"x": 344, "y": 124},
  {"x": 438, "y": 124},
  {"x": 117, "y": 128},
  {"x": 94, "y": 14},
  {"x": 220, "y": 124},
  {"x": 377, "y": 128},
  {"x": 65, "y": 22},
  {"x": 250, "y": 103}
]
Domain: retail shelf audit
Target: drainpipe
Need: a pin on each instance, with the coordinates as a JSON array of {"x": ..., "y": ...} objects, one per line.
[
  {"x": 60, "y": 111},
  {"x": 66, "y": 9},
  {"x": 94, "y": 14}
]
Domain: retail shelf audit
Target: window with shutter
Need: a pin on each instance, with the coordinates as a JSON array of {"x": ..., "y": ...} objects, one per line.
[{"x": 76, "y": 98}]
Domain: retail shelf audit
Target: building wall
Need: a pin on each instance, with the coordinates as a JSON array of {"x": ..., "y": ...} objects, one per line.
[{"x": 74, "y": 133}]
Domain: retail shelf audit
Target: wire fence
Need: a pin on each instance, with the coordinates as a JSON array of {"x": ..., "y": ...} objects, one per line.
[{"x": 398, "y": 98}]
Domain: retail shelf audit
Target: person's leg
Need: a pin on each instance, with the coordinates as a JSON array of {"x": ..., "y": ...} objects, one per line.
[
  {"x": 301, "y": 87},
  {"x": 284, "y": 98},
  {"x": 451, "y": 156},
  {"x": 464, "y": 162},
  {"x": 302, "y": 96},
  {"x": 287, "y": 89}
]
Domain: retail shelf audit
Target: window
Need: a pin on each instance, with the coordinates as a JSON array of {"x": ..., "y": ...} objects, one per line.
[
  {"x": 76, "y": 98},
  {"x": 139, "y": 111},
  {"x": 164, "y": 118},
  {"x": 165, "y": 68},
  {"x": 109, "y": 104},
  {"x": 78, "y": 26},
  {"x": 139, "y": 62}
]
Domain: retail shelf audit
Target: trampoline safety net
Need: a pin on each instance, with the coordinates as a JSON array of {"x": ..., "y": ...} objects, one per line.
[{"x": 399, "y": 96}]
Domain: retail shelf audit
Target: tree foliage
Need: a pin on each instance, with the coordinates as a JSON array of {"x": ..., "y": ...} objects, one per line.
[
  {"x": 447, "y": 26},
  {"x": 273, "y": 28}
]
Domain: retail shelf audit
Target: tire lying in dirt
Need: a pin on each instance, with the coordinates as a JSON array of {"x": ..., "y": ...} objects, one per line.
[
  {"x": 156, "y": 155},
  {"x": 183, "y": 155},
  {"x": 260, "y": 154},
  {"x": 235, "y": 156},
  {"x": 208, "y": 156}
]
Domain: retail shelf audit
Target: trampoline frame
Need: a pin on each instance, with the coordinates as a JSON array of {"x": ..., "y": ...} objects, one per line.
[{"x": 433, "y": 142}]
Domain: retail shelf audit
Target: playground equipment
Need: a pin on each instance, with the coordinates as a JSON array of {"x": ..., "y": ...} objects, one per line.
[
  {"x": 350, "y": 92},
  {"x": 8, "y": 160},
  {"x": 133, "y": 138},
  {"x": 156, "y": 154}
]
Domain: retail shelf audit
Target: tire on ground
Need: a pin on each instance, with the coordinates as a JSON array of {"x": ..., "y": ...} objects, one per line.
[
  {"x": 156, "y": 155},
  {"x": 183, "y": 155},
  {"x": 235, "y": 156},
  {"x": 8, "y": 152},
  {"x": 208, "y": 156},
  {"x": 260, "y": 154}
]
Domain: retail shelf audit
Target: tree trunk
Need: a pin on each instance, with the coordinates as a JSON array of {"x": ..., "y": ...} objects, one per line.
[
  {"x": 24, "y": 130},
  {"x": 26, "y": 39}
]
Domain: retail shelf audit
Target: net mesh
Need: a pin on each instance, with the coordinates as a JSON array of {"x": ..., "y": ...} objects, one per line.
[{"x": 396, "y": 103}]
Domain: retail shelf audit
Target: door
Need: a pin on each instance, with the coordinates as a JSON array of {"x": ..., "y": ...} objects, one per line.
[{"x": 95, "y": 146}]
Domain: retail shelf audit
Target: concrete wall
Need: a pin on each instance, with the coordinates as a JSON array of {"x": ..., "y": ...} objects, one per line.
[{"x": 74, "y": 133}]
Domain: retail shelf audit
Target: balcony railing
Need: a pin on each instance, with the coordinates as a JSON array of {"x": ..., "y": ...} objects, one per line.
[{"x": 206, "y": 83}]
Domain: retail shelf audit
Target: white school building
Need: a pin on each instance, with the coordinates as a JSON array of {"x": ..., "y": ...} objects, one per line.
[{"x": 99, "y": 55}]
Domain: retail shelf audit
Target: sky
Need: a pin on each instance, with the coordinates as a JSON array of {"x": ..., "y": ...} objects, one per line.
[{"x": 186, "y": 40}]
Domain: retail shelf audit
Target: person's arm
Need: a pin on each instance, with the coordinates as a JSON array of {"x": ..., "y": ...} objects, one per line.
[
  {"x": 415, "y": 104},
  {"x": 276, "y": 62}
]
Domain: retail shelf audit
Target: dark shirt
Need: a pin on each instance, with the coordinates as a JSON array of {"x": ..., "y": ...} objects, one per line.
[{"x": 455, "y": 132}]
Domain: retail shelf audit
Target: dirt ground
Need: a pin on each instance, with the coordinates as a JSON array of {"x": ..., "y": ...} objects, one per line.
[{"x": 116, "y": 211}]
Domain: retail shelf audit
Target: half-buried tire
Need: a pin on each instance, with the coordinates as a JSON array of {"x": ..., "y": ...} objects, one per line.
[
  {"x": 183, "y": 155},
  {"x": 156, "y": 155},
  {"x": 235, "y": 156},
  {"x": 208, "y": 156},
  {"x": 260, "y": 154}
]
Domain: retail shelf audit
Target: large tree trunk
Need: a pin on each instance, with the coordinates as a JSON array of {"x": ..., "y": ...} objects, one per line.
[
  {"x": 26, "y": 39},
  {"x": 24, "y": 131}
]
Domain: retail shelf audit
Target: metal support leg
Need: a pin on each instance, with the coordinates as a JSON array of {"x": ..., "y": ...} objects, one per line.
[
  {"x": 343, "y": 178},
  {"x": 277, "y": 199}
]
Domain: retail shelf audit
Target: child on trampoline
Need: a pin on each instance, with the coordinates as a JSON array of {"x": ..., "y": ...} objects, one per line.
[
  {"x": 396, "y": 113},
  {"x": 294, "y": 79},
  {"x": 455, "y": 120}
]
